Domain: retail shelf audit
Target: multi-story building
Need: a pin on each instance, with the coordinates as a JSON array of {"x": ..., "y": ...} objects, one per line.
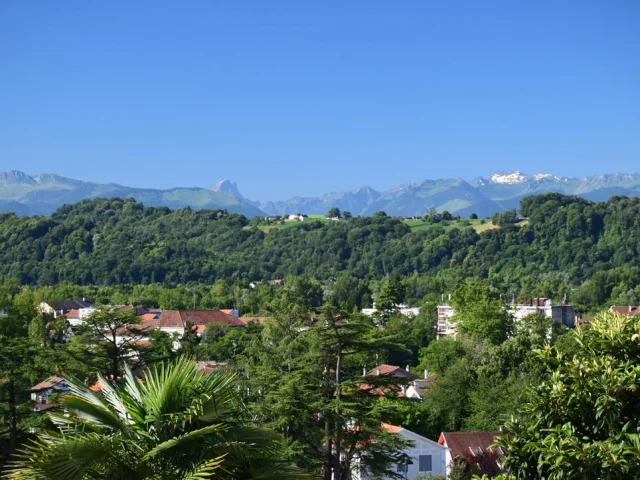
[{"x": 562, "y": 313}]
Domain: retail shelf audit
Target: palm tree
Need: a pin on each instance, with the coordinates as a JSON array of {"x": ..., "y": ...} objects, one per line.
[{"x": 176, "y": 424}]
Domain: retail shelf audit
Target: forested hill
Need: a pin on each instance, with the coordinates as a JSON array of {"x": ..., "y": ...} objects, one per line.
[{"x": 108, "y": 241}]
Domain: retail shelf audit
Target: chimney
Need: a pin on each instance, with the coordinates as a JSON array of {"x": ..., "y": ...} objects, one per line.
[
  {"x": 629, "y": 308},
  {"x": 377, "y": 371},
  {"x": 83, "y": 299},
  {"x": 449, "y": 297},
  {"x": 364, "y": 372},
  {"x": 426, "y": 373},
  {"x": 407, "y": 369}
]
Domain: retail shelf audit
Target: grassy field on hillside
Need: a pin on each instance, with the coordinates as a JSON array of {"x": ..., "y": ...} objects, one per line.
[{"x": 479, "y": 225}]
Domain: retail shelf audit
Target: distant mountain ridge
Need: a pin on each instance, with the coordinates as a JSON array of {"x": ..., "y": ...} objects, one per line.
[{"x": 43, "y": 194}]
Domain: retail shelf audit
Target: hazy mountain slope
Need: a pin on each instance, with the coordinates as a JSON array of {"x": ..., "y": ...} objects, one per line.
[
  {"x": 355, "y": 201},
  {"x": 43, "y": 194},
  {"x": 454, "y": 195}
]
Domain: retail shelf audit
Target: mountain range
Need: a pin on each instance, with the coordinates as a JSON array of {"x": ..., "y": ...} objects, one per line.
[{"x": 42, "y": 194}]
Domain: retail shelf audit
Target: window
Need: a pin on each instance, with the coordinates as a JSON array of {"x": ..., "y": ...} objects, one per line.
[
  {"x": 402, "y": 468},
  {"x": 424, "y": 463}
]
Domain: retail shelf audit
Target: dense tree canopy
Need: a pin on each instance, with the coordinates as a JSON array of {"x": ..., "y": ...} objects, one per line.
[
  {"x": 582, "y": 419},
  {"x": 565, "y": 242}
]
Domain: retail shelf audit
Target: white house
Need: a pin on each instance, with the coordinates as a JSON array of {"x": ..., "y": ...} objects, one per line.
[
  {"x": 298, "y": 216},
  {"x": 419, "y": 386},
  {"x": 41, "y": 392},
  {"x": 424, "y": 457}
]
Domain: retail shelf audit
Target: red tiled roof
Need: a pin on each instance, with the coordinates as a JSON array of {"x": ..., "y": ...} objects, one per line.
[
  {"x": 48, "y": 383},
  {"x": 392, "y": 370},
  {"x": 143, "y": 343},
  {"x": 585, "y": 320},
  {"x": 206, "y": 368},
  {"x": 227, "y": 310},
  {"x": 626, "y": 309},
  {"x": 179, "y": 318},
  {"x": 248, "y": 320},
  {"x": 96, "y": 387},
  {"x": 463, "y": 444},
  {"x": 391, "y": 428},
  {"x": 149, "y": 316},
  {"x": 73, "y": 314}
]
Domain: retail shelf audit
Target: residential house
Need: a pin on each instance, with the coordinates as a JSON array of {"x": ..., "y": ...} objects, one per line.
[
  {"x": 403, "y": 375},
  {"x": 41, "y": 393},
  {"x": 83, "y": 305},
  {"x": 474, "y": 448},
  {"x": 424, "y": 457},
  {"x": 301, "y": 217},
  {"x": 419, "y": 386},
  {"x": 175, "y": 321},
  {"x": 629, "y": 310}
]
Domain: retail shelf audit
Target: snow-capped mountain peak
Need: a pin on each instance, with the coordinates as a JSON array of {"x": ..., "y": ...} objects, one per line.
[{"x": 509, "y": 177}]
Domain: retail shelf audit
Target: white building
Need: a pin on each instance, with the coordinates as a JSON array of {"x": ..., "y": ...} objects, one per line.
[
  {"x": 558, "y": 313},
  {"x": 401, "y": 308},
  {"x": 445, "y": 325},
  {"x": 424, "y": 457}
]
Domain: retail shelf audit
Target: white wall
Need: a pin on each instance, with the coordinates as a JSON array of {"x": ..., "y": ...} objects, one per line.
[{"x": 422, "y": 446}]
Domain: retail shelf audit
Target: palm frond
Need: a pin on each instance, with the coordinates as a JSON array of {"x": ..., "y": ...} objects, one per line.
[
  {"x": 59, "y": 457},
  {"x": 185, "y": 440}
]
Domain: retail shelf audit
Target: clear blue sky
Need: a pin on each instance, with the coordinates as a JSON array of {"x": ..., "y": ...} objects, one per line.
[{"x": 303, "y": 97}]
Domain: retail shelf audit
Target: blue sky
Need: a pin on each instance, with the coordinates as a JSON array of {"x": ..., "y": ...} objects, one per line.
[{"x": 300, "y": 98}]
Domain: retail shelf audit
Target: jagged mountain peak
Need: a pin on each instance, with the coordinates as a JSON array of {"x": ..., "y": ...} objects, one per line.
[
  {"x": 227, "y": 185},
  {"x": 16, "y": 177}
]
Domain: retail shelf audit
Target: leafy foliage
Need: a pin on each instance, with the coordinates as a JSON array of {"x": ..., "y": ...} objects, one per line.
[
  {"x": 581, "y": 421},
  {"x": 175, "y": 424}
]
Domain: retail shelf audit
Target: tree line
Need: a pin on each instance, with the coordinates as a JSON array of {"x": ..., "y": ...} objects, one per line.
[{"x": 566, "y": 241}]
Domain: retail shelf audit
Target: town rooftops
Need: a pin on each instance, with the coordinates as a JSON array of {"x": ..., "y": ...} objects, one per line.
[
  {"x": 179, "y": 318},
  {"x": 47, "y": 384},
  {"x": 465, "y": 444}
]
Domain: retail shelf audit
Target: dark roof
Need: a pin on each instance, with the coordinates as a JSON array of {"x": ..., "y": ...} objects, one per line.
[
  {"x": 179, "y": 318},
  {"x": 76, "y": 303},
  {"x": 48, "y": 383},
  {"x": 463, "y": 444},
  {"x": 391, "y": 370}
]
